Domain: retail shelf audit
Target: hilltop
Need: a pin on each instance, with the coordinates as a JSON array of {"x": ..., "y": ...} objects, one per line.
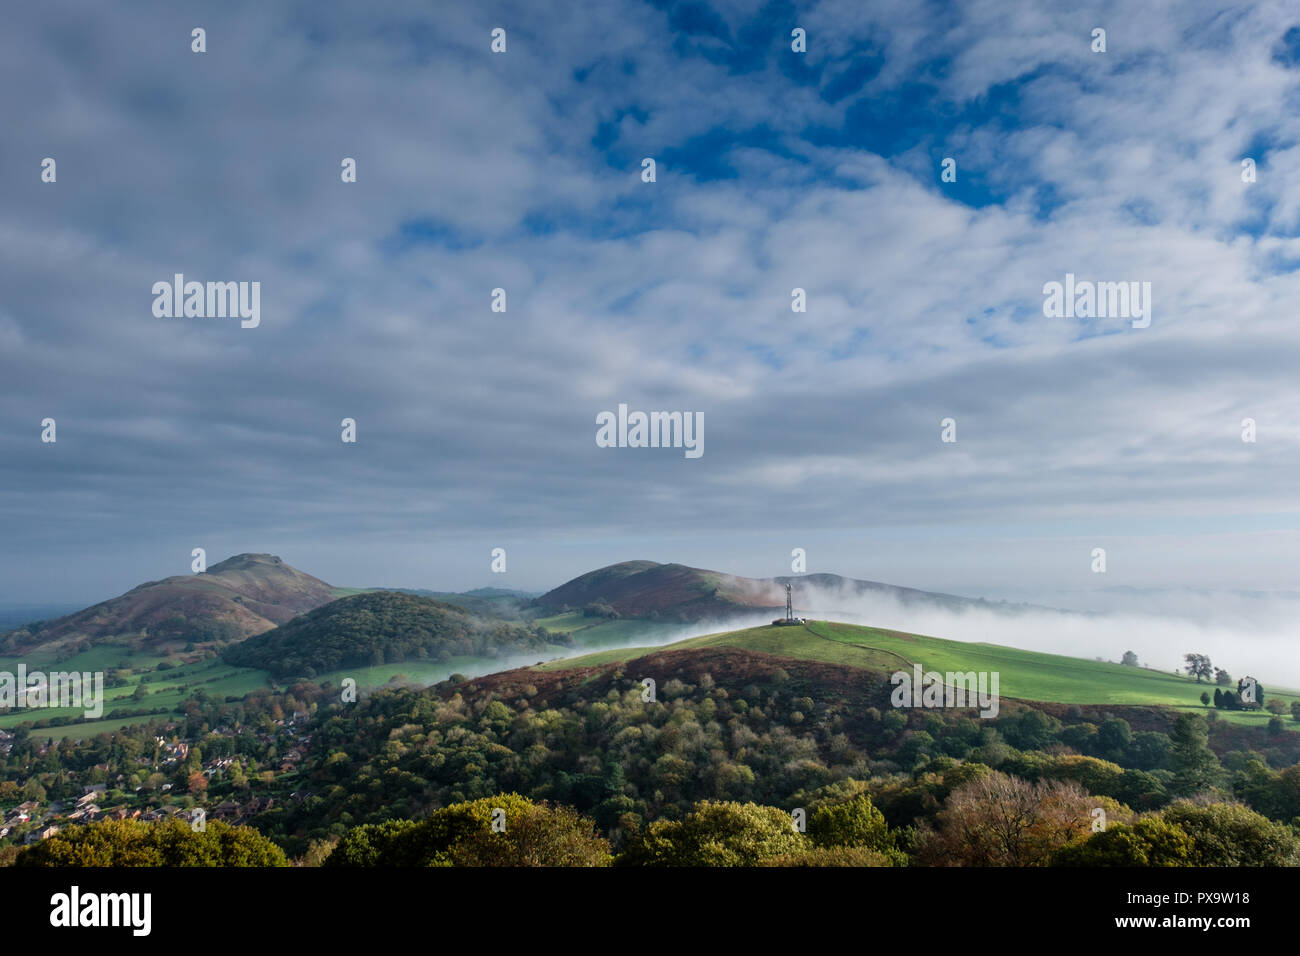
[
  {"x": 1023, "y": 675},
  {"x": 244, "y": 595},
  {"x": 647, "y": 590},
  {"x": 376, "y": 628}
]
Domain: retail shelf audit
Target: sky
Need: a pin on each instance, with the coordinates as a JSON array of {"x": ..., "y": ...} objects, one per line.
[{"x": 774, "y": 170}]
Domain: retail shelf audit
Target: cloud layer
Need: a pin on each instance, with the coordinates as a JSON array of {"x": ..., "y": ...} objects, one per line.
[{"x": 775, "y": 170}]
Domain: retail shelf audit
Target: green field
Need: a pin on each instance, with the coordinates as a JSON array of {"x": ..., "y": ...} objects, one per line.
[
  {"x": 1022, "y": 675},
  {"x": 598, "y": 632},
  {"x": 165, "y": 690},
  {"x": 349, "y": 592}
]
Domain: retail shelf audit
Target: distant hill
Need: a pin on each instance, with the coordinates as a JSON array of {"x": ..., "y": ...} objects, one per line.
[
  {"x": 379, "y": 627},
  {"x": 16, "y": 615},
  {"x": 243, "y": 595},
  {"x": 676, "y": 592},
  {"x": 501, "y": 603}
]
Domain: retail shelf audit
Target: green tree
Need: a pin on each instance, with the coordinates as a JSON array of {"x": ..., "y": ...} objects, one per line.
[
  {"x": 1229, "y": 834},
  {"x": 32, "y": 790},
  {"x": 135, "y": 843},
  {"x": 854, "y": 822},
  {"x": 474, "y": 834},
  {"x": 1148, "y": 842},
  {"x": 1113, "y": 738},
  {"x": 1199, "y": 666},
  {"x": 1194, "y": 765},
  {"x": 716, "y": 834}
]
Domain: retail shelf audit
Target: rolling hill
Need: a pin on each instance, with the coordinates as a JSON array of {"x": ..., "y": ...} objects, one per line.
[
  {"x": 647, "y": 590},
  {"x": 380, "y": 627},
  {"x": 239, "y": 597},
  {"x": 1023, "y": 675}
]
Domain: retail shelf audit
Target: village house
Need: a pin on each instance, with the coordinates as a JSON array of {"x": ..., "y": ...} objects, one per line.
[
  {"x": 44, "y": 833},
  {"x": 86, "y": 813}
]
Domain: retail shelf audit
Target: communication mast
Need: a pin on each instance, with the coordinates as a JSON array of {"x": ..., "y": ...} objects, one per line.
[{"x": 789, "y": 618}]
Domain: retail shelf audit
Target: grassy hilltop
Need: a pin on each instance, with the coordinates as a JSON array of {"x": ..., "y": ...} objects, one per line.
[{"x": 1023, "y": 675}]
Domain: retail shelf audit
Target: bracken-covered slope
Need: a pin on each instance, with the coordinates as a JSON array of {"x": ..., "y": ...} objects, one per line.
[
  {"x": 676, "y": 592},
  {"x": 243, "y": 595}
]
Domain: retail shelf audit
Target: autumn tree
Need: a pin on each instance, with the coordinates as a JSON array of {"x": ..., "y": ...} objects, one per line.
[{"x": 999, "y": 820}]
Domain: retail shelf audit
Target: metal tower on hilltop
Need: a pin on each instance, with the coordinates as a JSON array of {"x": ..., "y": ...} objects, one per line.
[{"x": 789, "y": 612}]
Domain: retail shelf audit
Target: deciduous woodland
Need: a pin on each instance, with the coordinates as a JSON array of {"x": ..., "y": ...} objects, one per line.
[{"x": 743, "y": 759}]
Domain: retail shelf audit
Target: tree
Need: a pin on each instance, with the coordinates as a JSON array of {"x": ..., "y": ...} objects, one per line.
[
  {"x": 1295, "y": 710},
  {"x": 716, "y": 834},
  {"x": 1275, "y": 706},
  {"x": 32, "y": 790},
  {"x": 1229, "y": 834},
  {"x": 475, "y": 834},
  {"x": 135, "y": 843},
  {"x": 1113, "y": 738},
  {"x": 1218, "y": 697},
  {"x": 538, "y": 836},
  {"x": 1129, "y": 659},
  {"x": 853, "y": 822},
  {"x": 1205, "y": 698},
  {"x": 1148, "y": 842},
  {"x": 1222, "y": 677},
  {"x": 1194, "y": 765},
  {"x": 1149, "y": 750},
  {"x": 998, "y": 820},
  {"x": 1199, "y": 666}
]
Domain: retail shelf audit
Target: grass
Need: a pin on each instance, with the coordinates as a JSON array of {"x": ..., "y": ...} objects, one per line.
[
  {"x": 799, "y": 642},
  {"x": 166, "y": 690},
  {"x": 349, "y": 592},
  {"x": 566, "y": 623},
  {"x": 1023, "y": 675}
]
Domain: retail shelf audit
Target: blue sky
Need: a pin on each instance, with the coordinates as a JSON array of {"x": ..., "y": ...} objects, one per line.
[{"x": 775, "y": 170}]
